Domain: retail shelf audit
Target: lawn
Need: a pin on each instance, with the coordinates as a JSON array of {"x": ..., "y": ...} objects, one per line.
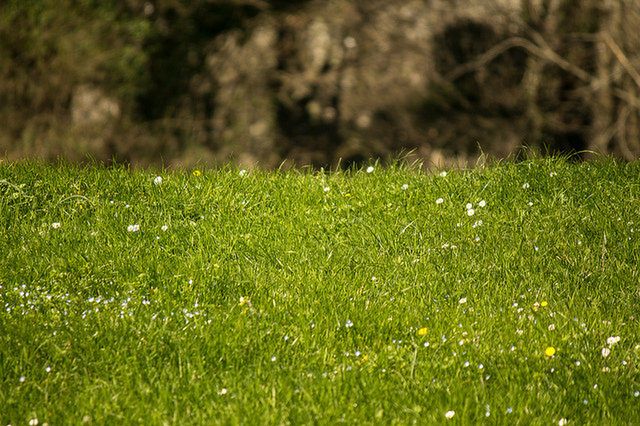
[{"x": 501, "y": 295}]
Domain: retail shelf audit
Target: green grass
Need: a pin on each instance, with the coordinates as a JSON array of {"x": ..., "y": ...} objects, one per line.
[{"x": 269, "y": 300}]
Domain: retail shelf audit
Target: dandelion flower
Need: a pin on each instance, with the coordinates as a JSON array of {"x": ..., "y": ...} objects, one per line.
[
  {"x": 449, "y": 414},
  {"x": 422, "y": 331},
  {"x": 370, "y": 169},
  {"x": 544, "y": 303},
  {"x": 157, "y": 180},
  {"x": 605, "y": 352},
  {"x": 196, "y": 173},
  {"x": 550, "y": 351}
]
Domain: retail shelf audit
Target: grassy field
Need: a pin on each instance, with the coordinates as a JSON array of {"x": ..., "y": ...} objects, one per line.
[{"x": 503, "y": 295}]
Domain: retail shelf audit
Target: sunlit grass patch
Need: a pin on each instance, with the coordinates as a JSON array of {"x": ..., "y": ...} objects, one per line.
[{"x": 502, "y": 295}]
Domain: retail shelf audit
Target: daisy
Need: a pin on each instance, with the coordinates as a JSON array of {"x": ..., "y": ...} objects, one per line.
[{"x": 613, "y": 340}]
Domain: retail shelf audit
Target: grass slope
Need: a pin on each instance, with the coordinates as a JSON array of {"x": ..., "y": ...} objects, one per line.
[{"x": 298, "y": 297}]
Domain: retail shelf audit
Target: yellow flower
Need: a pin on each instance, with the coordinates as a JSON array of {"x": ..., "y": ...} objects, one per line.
[
  {"x": 543, "y": 303},
  {"x": 422, "y": 331},
  {"x": 550, "y": 351},
  {"x": 196, "y": 173}
]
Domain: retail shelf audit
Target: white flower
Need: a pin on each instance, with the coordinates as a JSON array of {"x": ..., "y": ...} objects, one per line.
[
  {"x": 22, "y": 379},
  {"x": 56, "y": 225},
  {"x": 33, "y": 422},
  {"x": 469, "y": 206},
  {"x": 443, "y": 174},
  {"x": 47, "y": 369},
  {"x": 370, "y": 169},
  {"x": 449, "y": 414},
  {"x": 482, "y": 203},
  {"x": 552, "y": 327},
  {"x": 562, "y": 422},
  {"x": 242, "y": 173},
  {"x": 348, "y": 323},
  {"x": 439, "y": 201},
  {"x": 605, "y": 352},
  {"x": 157, "y": 180},
  {"x": 405, "y": 186},
  {"x": 164, "y": 227},
  {"x": 133, "y": 228},
  {"x": 636, "y": 394},
  {"x": 613, "y": 340},
  {"x": 462, "y": 300},
  {"x": 471, "y": 212},
  {"x": 223, "y": 391},
  {"x": 525, "y": 185},
  {"x": 326, "y": 189}
]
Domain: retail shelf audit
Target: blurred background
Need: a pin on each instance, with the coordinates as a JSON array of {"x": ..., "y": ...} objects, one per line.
[{"x": 317, "y": 82}]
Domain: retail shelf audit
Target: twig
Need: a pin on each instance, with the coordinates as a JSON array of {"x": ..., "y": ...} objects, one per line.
[{"x": 621, "y": 57}]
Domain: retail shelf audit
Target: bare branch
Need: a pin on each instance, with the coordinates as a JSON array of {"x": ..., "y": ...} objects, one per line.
[
  {"x": 621, "y": 57},
  {"x": 543, "y": 52}
]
